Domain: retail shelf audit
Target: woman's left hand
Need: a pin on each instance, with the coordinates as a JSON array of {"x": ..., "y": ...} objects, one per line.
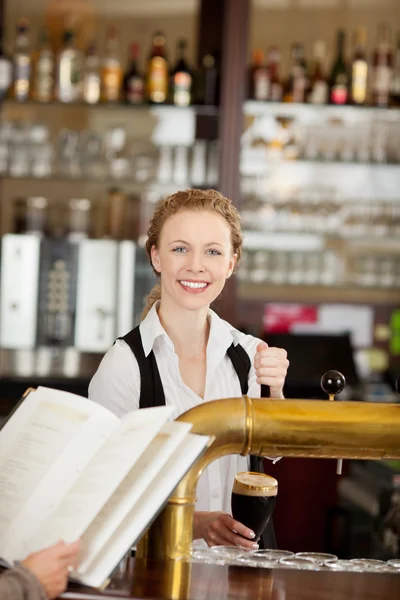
[{"x": 271, "y": 365}]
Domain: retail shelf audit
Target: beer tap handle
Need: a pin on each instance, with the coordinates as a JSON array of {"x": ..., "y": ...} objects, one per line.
[
  {"x": 333, "y": 382},
  {"x": 397, "y": 384}
]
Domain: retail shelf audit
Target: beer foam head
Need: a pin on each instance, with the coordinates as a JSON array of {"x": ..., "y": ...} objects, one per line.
[{"x": 255, "y": 484}]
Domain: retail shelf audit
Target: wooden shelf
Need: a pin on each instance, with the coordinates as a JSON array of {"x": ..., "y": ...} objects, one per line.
[{"x": 252, "y": 292}]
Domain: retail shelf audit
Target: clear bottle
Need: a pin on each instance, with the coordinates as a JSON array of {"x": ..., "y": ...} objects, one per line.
[
  {"x": 44, "y": 63},
  {"x": 69, "y": 70},
  {"x": 133, "y": 80},
  {"x": 6, "y": 69},
  {"x": 382, "y": 66},
  {"x": 259, "y": 85},
  {"x": 318, "y": 92},
  {"x": 339, "y": 82},
  {"x": 22, "y": 62},
  {"x": 111, "y": 75},
  {"x": 296, "y": 84},
  {"x": 359, "y": 68},
  {"x": 91, "y": 79},
  {"x": 274, "y": 59},
  {"x": 181, "y": 78},
  {"x": 157, "y": 71}
]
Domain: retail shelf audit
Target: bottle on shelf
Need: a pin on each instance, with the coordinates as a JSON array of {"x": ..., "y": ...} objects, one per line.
[
  {"x": 259, "y": 84},
  {"x": 206, "y": 82},
  {"x": 382, "y": 65},
  {"x": 43, "y": 68},
  {"x": 339, "y": 81},
  {"x": 359, "y": 68},
  {"x": 69, "y": 76},
  {"x": 276, "y": 87},
  {"x": 111, "y": 76},
  {"x": 6, "y": 69},
  {"x": 22, "y": 62},
  {"x": 157, "y": 71},
  {"x": 318, "y": 90},
  {"x": 116, "y": 214},
  {"x": 181, "y": 78},
  {"x": 295, "y": 89},
  {"x": 133, "y": 80},
  {"x": 395, "y": 87},
  {"x": 91, "y": 78}
]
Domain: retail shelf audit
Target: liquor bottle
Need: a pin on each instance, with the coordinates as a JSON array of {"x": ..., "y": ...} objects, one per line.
[
  {"x": 276, "y": 89},
  {"x": 91, "y": 78},
  {"x": 69, "y": 77},
  {"x": 43, "y": 67},
  {"x": 296, "y": 84},
  {"x": 318, "y": 92},
  {"x": 22, "y": 62},
  {"x": 157, "y": 71},
  {"x": 359, "y": 68},
  {"x": 259, "y": 86},
  {"x": 339, "y": 82},
  {"x": 395, "y": 88},
  {"x": 116, "y": 214},
  {"x": 181, "y": 78},
  {"x": 382, "y": 65},
  {"x": 111, "y": 76},
  {"x": 6, "y": 69},
  {"x": 133, "y": 80},
  {"x": 206, "y": 82}
]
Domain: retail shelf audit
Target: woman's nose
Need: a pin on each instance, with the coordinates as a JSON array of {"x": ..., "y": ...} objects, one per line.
[{"x": 195, "y": 264}]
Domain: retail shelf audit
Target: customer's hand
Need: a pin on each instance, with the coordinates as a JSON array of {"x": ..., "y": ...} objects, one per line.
[
  {"x": 220, "y": 529},
  {"x": 51, "y": 566},
  {"x": 271, "y": 365}
]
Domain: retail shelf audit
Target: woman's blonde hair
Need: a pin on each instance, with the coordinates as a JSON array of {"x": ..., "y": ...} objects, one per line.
[{"x": 192, "y": 199}]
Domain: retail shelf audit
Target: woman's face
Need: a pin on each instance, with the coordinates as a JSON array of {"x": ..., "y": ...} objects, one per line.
[{"x": 194, "y": 257}]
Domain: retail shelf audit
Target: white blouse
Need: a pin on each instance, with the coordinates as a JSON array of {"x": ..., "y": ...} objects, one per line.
[{"x": 116, "y": 385}]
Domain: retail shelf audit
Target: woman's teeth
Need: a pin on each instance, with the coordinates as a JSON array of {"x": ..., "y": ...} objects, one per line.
[{"x": 193, "y": 285}]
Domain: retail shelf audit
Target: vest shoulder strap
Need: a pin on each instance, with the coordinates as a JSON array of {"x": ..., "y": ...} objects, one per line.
[{"x": 151, "y": 389}]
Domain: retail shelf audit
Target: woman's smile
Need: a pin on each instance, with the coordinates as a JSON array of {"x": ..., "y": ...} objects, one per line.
[{"x": 193, "y": 286}]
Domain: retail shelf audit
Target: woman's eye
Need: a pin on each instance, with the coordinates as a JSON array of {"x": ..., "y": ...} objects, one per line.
[
  {"x": 214, "y": 252},
  {"x": 179, "y": 249}
]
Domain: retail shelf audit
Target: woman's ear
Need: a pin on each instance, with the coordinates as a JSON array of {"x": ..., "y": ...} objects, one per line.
[
  {"x": 232, "y": 265},
  {"x": 155, "y": 260}
]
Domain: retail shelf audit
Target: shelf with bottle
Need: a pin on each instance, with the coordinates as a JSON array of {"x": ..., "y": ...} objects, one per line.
[
  {"x": 31, "y": 150},
  {"x": 313, "y": 260},
  {"x": 70, "y": 75},
  {"x": 319, "y": 213},
  {"x": 363, "y": 80},
  {"x": 199, "y": 109},
  {"x": 328, "y": 134},
  {"x": 258, "y": 294}
]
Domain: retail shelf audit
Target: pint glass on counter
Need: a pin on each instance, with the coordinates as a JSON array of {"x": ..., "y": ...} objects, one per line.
[{"x": 253, "y": 500}]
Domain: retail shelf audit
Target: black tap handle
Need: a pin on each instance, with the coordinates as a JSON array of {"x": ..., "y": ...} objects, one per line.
[
  {"x": 333, "y": 382},
  {"x": 397, "y": 384}
]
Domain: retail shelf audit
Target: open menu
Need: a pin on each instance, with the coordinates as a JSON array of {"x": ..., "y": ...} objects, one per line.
[{"x": 69, "y": 468}]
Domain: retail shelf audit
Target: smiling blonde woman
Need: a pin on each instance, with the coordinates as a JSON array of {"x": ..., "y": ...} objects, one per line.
[{"x": 183, "y": 354}]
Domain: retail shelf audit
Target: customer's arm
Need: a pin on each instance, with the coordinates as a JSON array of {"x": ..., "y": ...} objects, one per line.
[
  {"x": 42, "y": 575},
  {"x": 21, "y": 584}
]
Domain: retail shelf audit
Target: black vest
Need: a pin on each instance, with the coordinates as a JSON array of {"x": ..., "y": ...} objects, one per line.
[{"x": 152, "y": 394}]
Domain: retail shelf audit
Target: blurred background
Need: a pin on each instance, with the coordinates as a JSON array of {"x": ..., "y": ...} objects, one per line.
[{"x": 289, "y": 107}]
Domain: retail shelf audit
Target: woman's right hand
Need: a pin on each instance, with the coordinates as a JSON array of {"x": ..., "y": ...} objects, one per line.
[
  {"x": 220, "y": 529},
  {"x": 52, "y": 565}
]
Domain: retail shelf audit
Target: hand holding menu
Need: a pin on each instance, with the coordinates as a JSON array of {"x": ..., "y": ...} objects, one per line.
[{"x": 69, "y": 468}]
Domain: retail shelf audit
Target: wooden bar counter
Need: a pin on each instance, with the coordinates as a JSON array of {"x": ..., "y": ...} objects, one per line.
[{"x": 212, "y": 582}]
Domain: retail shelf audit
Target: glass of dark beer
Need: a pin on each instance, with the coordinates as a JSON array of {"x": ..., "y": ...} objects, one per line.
[{"x": 253, "y": 500}]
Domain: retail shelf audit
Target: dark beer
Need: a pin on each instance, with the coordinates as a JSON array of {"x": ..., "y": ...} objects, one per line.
[{"x": 253, "y": 500}]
